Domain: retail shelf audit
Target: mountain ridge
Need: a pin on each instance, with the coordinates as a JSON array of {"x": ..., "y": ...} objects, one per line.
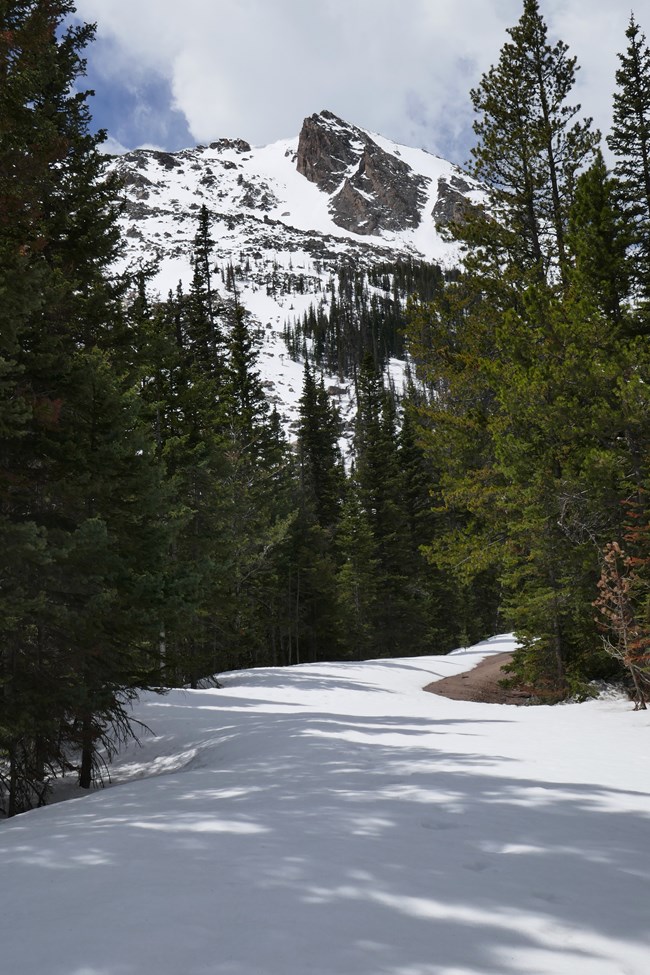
[{"x": 287, "y": 217}]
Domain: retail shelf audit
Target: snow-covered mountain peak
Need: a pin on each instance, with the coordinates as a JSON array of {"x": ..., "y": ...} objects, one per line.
[
  {"x": 287, "y": 217},
  {"x": 351, "y": 190}
]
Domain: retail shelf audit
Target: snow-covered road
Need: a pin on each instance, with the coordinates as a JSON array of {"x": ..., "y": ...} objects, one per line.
[{"x": 333, "y": 819}]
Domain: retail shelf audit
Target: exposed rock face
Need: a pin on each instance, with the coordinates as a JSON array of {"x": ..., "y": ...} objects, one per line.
[
  {"x": 138, "y": 184},
  {"x": 382, "y": 194},
  {"x": 327, "y": 148},
  {"x": 374, "y": 190},
  {"x": 452, "y": 203},
  {"x": 238, "y": 145}
]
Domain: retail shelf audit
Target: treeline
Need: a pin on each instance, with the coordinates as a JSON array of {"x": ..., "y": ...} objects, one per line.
[
  {"x": 537, "y": 363},
  {"x": 362, "y": 310},
  {"x": 293, "y": 558}
]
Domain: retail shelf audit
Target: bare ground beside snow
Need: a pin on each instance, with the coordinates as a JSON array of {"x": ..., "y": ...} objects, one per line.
[{"x": 482, "y": 684}]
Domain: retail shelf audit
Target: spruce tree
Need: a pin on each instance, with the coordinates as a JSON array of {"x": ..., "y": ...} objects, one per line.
[
  {"x": 597, "y": 242},
  {"x": 109, "y": 540},
  {"x": 530, "y": 149},
  {"x": 257, "y": 488},
  {"x": 247, "y": 408},
  {"x": 318, "y": 509},
  {"x": 185, "y": 407},
  {"x": 380, "y": 488},
  {"x": 204, "y": 307},
  {"x": 525, "y": 403},
  {"x": 358, "y": 591},
  {"x": 629, "y": 140},
  {"x": 452, "y": 340},
  {"x": 319, "y": 455},
  {"x": 56, "y": 248},
  {"x": 438, "y": 622}
]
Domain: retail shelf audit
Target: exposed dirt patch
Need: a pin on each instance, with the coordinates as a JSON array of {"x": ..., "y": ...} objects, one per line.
[{"x": 481, "y": 684}]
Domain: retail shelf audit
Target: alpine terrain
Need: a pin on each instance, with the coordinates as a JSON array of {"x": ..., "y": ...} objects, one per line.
[{"x": 290, "y": 219}]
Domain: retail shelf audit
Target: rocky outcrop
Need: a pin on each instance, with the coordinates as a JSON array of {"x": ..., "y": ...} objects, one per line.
[
  {"x": 327, "y": 148},
  {"x": 452, "y": 203},
  {"x": 382, "y": 194},
  {"x": 142, "y": 157},
  {"x": 372, "y": 189},
  {"x": 238, "y": 145},
  {"x": 165, "y": 159},
  {"x": 138, "y": 184}
]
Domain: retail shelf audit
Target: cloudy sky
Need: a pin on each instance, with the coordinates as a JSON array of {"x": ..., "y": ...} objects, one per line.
[{"x": 173, "y": 73}]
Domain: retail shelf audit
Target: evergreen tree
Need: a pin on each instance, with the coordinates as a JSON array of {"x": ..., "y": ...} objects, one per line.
[
  {"x": 357, "y": 580},
  {"x": 453, "y": 343},
  {"x": 439, "y": 622},
  {"x": 186, "y": 409},
  {"x": 204, "y": 336},
  {"x": 629, "y": 140},
  {"x": 530, "y": 150},
  {"x": 318, "y": 504},
  {"x": 64, "y": 316},
  {"x": 525, "y": 400},
  {"x": 597, "y": 242},
  {"x": 319, "y": 455},
  {"x": 231, "y": 481},
  {"x": 108, "y": 543},
  {"x": 246, "y": 404},
  {"x": 257, "y": 493},
  {"x": 380, "y": 488}
]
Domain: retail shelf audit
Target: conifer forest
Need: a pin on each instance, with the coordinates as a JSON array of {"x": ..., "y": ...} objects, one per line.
[{"x": 157, "y": 524}]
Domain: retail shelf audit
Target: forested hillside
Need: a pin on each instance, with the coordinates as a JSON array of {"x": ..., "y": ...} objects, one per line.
[
  {"x": 536, "y": 361},
  {"x": 158, "y": 527}
]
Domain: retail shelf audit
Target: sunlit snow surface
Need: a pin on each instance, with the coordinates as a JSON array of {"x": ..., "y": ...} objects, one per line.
[{"x": 334, "y": 819}]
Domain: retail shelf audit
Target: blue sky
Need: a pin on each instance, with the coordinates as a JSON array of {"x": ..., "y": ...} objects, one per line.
[
  {"x": 172, "y": 73},
  {"x": 134, "y": 109}
]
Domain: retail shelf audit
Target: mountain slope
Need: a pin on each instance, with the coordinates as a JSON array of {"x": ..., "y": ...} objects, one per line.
[
  {"x": 334, "y": 818},
  {"x": 287, "y": 216}
]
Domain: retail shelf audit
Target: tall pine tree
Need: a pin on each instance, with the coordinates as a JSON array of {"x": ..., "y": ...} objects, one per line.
[
  {"x": 629, "y": 140},
  {"x": 519, "y": 359},
  {"x": 531, "y": 147},
  {"x": 64, "y": 402}
]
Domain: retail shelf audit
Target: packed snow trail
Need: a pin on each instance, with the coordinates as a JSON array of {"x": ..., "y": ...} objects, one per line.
[{"x": 336, "y": 820}]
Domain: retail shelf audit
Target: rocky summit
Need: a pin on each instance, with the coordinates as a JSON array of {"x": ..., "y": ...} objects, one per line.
[
  {"x": 287, "y": 216},
  {"x": 371, "y": 188}
]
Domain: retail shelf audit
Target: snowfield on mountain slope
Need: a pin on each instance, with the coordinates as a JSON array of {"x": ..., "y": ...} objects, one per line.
[
  {"x": 334, "y": 819},
  {"x": 259, "y": 199},
  {"x": 270, "y": 221}
]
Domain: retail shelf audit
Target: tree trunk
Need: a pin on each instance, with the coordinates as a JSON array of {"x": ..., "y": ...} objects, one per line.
[{"x": 87, "y": 753}]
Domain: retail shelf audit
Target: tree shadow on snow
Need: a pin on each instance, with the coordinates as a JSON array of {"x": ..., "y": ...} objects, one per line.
[{"x": 348, "y": 848}]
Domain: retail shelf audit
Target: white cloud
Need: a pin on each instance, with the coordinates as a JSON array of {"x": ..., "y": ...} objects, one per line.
[
  {"x": 255, "y": 68},
  {"x": 111, "y": 147}
]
